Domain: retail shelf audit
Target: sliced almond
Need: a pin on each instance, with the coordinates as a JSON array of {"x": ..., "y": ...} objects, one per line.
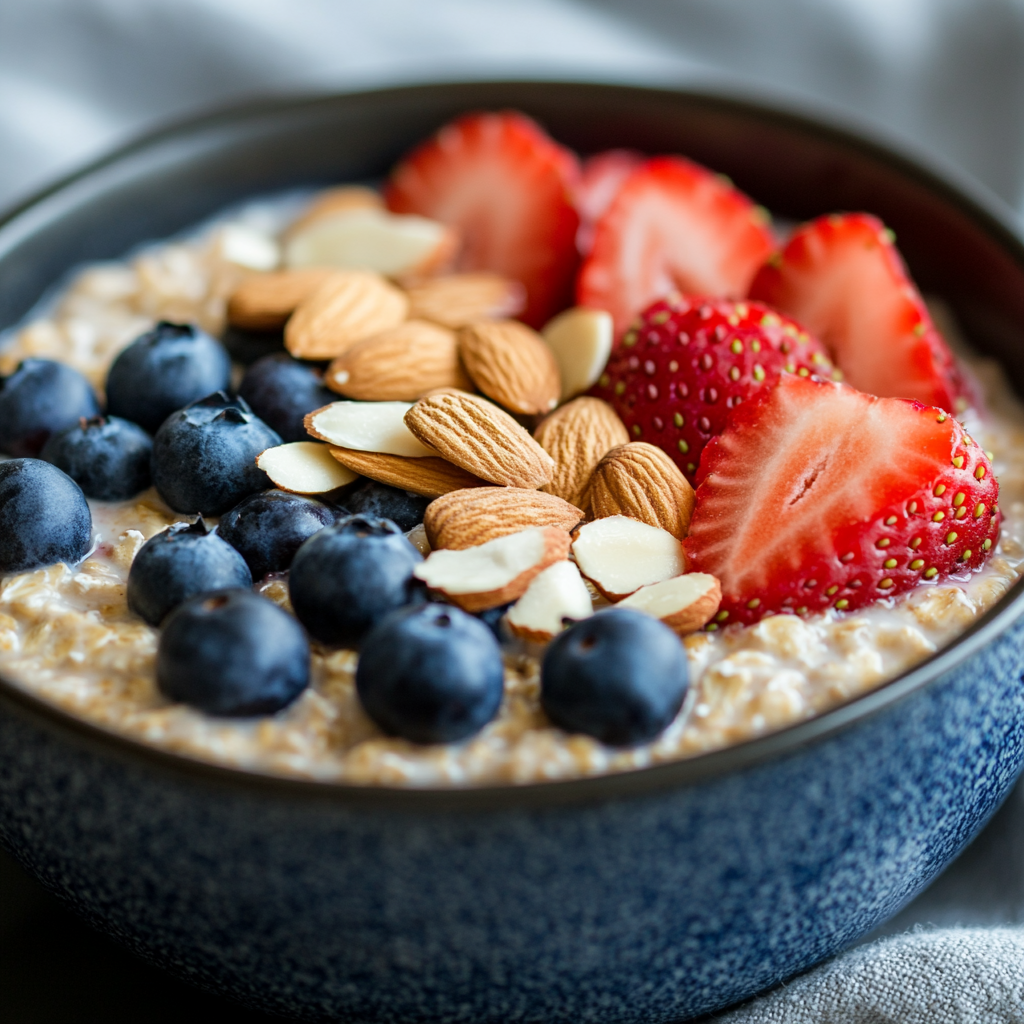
[
  {"x": 336, "y": 200},
  {"x": 347, "y": 308},
  {"x": 367, "y": 427},
  {"x": 684, "y": 603},
  {"x": 463, "y": 519},
  {"x": 510, "y": 364},
  {"x": 639, "y": 480},
  {"x": 372, "y": 239},
  {"x": 263, "y": 302},
  {"x": 246, "y": 246},
  {"x": 620, "y": 555},
  {"x": 456, "y": 300},
  {"x": 555, "y": 595},
  {"x": 494, "y": 573},
  {"x": 304, "y": 467},
  {"x": 401, "y": 364},
  {"x": 577, "y": 436},
  {"x": 429, "y": 477},
  {"x": 581, "y": 340},
  {"x": 481, "y": 438}
]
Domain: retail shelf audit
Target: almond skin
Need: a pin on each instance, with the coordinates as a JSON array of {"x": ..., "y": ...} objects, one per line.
[
  {"x": 577, "y": 436},
  {"x": 427, "y": 476},
  {"x": 456, "y": 300},
  {"x": 402, "y": 364},
  {"x": 349, "y": 307},
  {"x": 511, "y": 364},
  {"x": 263, "y": 302},
  {"x": 465, "y": 518},
  {"x": 481, "y": 438},
  {"x": 641, "y": 481}
]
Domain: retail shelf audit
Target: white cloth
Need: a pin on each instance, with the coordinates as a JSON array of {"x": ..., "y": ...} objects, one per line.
[{"x": 946, "y": 76}]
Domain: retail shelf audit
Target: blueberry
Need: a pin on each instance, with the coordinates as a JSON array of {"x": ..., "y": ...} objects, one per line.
[
  {"x": 162, "y": 371},
  {"x": 281, "y": 390},
  {"x": 44, "y": 517},
  {"x": 348, "y": 576},
  {"x": 41, "y": 398},
  {"x": 204, "y": 456},
  {"x": 183, "y": 561},
  {"x": 492, "y": 619},
  {"x": 619, "y": 676},
  {"x": 107, "y": 457},
  {"x": 403, "y": 508},
  {"x": 431, "y": 674},
  {"x": 232, "y": 652},
  {"x": 246, "y": 347},
  {"x": 267, "y": 529}
]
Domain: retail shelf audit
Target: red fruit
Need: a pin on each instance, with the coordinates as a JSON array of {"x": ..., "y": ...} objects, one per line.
[
  {"x": 507, "y": 187},
  {"x": 675, "y": 377},
  {"x": 601, "y": 177},
  {"x": 673, "y": 226},
  {"x": 817, "y": 496},
  {"x": 843, "y": 279}
]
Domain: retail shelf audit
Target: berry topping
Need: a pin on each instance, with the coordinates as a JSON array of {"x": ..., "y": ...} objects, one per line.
[
  {"x": 842, "y": 278},
  {"x": 677, "y": 374},
  {"x": 267, "y": 529},
  {"x": 44, "y": 517},
  {"x": 619, "y": 676},
  {"x": 162, "y": 371},
  {"x": 505, "y": 186},
  {"x": 431, "y": 674},
  {"x": 347, "y": 577},
  {"x": 107, "y": 457},
  {"x": 182, "y": 561},
  {"x": 601, "y": 177},
  {"x": 41, "y": 398},
  {"x": 403, "y": 508},
  {"x": 204, "y": 456},
  {"x": 234, "y": 653},
  {"x": 673, "y": 225},
  {"x": 817, "y": 496},
  {"x": 281, "y": 390}
]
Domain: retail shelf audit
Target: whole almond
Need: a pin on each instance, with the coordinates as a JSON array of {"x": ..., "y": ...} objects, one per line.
[
  {"x": 463, "y": 519},
  {"x": 349, "y": 307},
  {"x": 335, "y": 200},
  {"x": 481, "y": 438},
  {"x": 402, "y": 364},
  {"x": 428, "y": 476},
  {"x": 511, "y": 364},
  {"x": 641, "y": 481},
  {"x": 263, "y": 302},
  {"x": 577, "y": 437},
  {"x": 456, "y": 300}
]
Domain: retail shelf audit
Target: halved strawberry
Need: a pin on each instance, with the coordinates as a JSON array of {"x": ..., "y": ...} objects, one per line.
[
  {"x": 673, "y": 226},
  {"x": 601, "y": 177},
  {"x": 843, "y": 279},
  {"x": 689, "y": 361},
  {"x": 818, "y": 496},
  {"x": 506, "y": 186}
]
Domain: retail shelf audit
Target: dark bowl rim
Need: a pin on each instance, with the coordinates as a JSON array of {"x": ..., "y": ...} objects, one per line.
[{"x": 971, "y": 198}]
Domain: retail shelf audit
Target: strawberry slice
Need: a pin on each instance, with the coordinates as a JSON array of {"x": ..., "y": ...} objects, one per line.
[
  {"x": 818, "y": 496},
  {"x": 678, "y": 373},
  {"x": 506, "y": 186},
  {"x": 601, "y": 177},
  {"x": 843, "y": 279},
  {"x": 673, "y": 225}
]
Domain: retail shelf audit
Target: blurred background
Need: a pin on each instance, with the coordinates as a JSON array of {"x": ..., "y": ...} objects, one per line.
[{"x": 944, "y": 78}]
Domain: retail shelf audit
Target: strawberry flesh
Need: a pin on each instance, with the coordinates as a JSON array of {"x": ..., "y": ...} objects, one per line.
[
  {"x": 506, "y": 186},
  {"x": 843, "y": 279},
  {"x": 679, "y": 372},
  {"x": 672, "y": 226},
  {"x": 601, "y": 177},
  {"x": 818, "y": 496}
]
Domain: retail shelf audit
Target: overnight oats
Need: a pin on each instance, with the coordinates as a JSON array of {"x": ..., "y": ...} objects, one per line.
[{"x": 518, "y": 468}]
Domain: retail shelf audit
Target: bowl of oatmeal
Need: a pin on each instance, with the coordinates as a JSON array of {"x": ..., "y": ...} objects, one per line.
[{"x": 821, "y": 767}]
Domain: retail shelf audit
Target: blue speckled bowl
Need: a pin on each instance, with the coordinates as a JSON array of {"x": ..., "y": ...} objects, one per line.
[{"x": 651, "y": 896}]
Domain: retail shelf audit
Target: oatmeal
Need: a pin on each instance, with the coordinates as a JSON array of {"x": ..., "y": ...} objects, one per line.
[{"x": 67, "y": 634}]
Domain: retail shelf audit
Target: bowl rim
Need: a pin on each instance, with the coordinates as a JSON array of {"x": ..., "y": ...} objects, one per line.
[{"x": 955, "y": 187}]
